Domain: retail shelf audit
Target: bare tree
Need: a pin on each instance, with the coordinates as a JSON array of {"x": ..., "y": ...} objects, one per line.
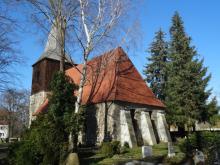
[
  {"x": 8, "y": 53},
  {"x": 90, "y": 23},
  {"x": 97, "y": 20},
  {"x": 57, "y": 14},
  {"x": 16, "y": 102}
]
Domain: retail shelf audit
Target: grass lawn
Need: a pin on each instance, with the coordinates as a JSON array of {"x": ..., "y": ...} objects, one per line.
[{"x": 90, "y": 157}]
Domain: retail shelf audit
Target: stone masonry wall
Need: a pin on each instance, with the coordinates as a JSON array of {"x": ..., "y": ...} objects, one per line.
[
  {"x": 35, "y": 101},
  {"x": 113, "y": 121},
  {"x": 101, "y": 122}
]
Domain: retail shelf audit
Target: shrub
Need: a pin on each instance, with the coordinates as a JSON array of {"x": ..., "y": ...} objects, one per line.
[
  {"x": 24, "y": 153},
  {"x": 107, "y": 149},
  {"x": 177, "y": 159},
  {"x": 193, "y": 142},
  {"x": 116, "y": 147},
  {"x": 126, "y": 145},
  {"x": 207, "y": 142},
  {"x": 124, "y": 148},
  {"x": 46, "y": 142}
]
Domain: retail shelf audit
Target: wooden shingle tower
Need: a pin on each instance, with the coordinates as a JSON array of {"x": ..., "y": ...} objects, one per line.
[{"x": 44, "y": 69}]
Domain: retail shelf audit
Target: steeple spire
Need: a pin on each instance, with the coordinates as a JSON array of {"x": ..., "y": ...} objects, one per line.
[
  {"x": 53, "y": 41},
  {"x": 53, "y": 47}
]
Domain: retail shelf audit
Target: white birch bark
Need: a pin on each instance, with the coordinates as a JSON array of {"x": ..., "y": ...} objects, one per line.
[{"x": 94, "y": 32}]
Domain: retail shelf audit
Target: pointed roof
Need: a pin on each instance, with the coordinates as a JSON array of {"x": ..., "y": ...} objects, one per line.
[
  {"x": 52, "y": 49},
  {"x": 112, "y": 77},
  {"x": 42, "y": 107}
]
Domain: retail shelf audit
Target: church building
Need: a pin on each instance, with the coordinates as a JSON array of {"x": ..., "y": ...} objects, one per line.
[{"x": 120, "y": 106}]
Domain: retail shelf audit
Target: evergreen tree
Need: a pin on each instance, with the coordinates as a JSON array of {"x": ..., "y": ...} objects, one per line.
[
  {"x": 155, "y": 71},
  {"x": 186, "y": 94},
  {"x": 211, "y": 114},
  {"x": 47, "y": 140}
]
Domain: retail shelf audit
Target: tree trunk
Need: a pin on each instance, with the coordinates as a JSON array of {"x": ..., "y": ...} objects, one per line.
[
  {"x": 73, "y": 137},
  {"x": 62, "y": 30},
  {"x": 81, "y": 84},
  {"x": 60, "y": 24}
]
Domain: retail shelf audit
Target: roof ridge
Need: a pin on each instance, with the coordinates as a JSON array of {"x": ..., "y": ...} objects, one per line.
[
  {"x": 116, "y": 81},
  {"x": 105, "y": 53}
]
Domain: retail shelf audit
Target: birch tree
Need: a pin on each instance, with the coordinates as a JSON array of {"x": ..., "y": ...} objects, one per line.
[
  {"x": 89, "y": 23},
  {"x": 97, "y": 20}
]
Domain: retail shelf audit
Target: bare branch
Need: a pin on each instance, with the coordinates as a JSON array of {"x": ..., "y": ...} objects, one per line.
[{"x": 8, "y": 50}]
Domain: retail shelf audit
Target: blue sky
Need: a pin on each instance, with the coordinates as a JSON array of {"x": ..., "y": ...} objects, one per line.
[{"x": 201, "y": 20}]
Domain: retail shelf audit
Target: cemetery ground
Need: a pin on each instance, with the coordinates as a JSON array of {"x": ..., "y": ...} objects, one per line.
[
  {"x": 111, "y": 153},
  {"x": 159, "y": 155},
  {"x": 208, "y": 142}
]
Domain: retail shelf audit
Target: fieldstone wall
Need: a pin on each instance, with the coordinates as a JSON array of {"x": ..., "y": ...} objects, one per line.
[
  {"x": 102, "y": 121},
  {"x": 35, "y": 101},
  {"x": 113, "y": 121}
]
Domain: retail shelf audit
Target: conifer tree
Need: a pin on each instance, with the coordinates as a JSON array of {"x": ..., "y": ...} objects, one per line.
[
  {"x": 53, "y": 127},
  {"x": 155, "y": 71},
  {"x": 211, "y": 114},
  {"x": 186, "y": 94},
  {"x": 47, "y": 140}
]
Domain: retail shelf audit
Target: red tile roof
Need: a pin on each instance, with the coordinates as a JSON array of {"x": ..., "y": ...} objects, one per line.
[
  {"x": 4, "y": 112},
  {"x": 42, "y": 108},
  {"x": 4, "y": 122},
  {"x": 4, "y": 115},
  {"x": 113, "y": 77}
]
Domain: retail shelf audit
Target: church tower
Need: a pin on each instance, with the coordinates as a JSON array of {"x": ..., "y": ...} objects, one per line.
[{"x": 43, "y": 71}]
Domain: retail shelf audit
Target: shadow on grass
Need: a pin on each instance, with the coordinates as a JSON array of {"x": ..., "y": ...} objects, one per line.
[
  {"x": 93, "y": 157},
  {"x": 89, "y": 156},
  {"x": 152, "y": 159}
]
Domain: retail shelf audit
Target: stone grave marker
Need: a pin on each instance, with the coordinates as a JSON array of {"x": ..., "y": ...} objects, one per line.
[
  {"x": 146, "y": 151},
  {"x": 171, "y": 150},
  {"x": 217, "y": 160},
  {"x": 199, "y": 157}
]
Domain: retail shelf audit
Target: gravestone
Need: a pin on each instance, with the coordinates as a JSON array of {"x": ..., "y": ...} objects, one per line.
[
  {"x": 72, "y": 159},
  {"x": 171, "y": 150},
  {"x": 146, "y": 151},
  {"x": 135, "y": 162},
  {"x": 199, "y": 157},
  {"x": 217, "y": 160}
]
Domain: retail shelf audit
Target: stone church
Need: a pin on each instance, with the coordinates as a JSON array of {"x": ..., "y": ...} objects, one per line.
[{"x": 120, "y": 106}]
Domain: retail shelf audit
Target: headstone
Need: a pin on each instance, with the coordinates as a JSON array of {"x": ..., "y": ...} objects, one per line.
[
  {"x": 72, "y": 159},
  {"x": 171, "y": 150},
  {"x": 146, "y": 151},
  {"x": 135, "y": 162},
  {"x": 199, "y": 157},
  {"x": 217, "y": 160}
]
